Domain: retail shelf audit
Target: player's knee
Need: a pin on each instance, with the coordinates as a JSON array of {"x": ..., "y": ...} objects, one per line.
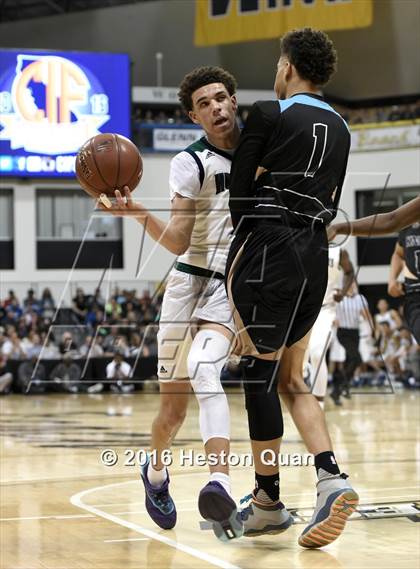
[
  {"x": 205, "y": 361},
  {"x": 292, "y": 384},
  {"x": 265, "y": 418},
  {"x": 212, "y": 400}
]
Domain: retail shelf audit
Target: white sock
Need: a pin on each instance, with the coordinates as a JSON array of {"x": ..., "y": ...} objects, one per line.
[
  {"x": 156, "y": 477},
  {"x": 321, "y": 404},
  {"x": 223, "y": 479}
]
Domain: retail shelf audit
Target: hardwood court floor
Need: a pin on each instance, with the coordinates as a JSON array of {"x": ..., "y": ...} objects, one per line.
[{"x": 61, "y": 508}]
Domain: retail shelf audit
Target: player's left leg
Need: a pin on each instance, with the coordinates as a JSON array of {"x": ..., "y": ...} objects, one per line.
[
  {"x": 208, "y": 354},
  {"x": 213, "y": 336},
  {"x": 336, "y": 499},
  {"x": 264, "y": 513}
]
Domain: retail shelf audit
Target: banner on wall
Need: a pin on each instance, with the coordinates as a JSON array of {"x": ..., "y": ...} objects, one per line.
[
  {"x": 385, "y": 138},
  {"x": 175, "y": 139},
  {"x": 231, "y": 21}
]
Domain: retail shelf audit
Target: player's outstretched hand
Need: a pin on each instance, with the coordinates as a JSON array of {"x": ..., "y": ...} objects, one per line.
[
  {"x": 331, "y": 233},
  {"x": 122, "y": 205},
  {"x": 395, "y": 289}
]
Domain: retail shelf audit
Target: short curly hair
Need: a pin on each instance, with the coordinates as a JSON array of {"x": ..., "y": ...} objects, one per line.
[
  {"x": 201, "y": 76},
  {"x": 312, "y": 53}
]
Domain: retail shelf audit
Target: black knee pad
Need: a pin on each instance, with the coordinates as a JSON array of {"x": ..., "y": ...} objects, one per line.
[{"x": 265, "y": 419}]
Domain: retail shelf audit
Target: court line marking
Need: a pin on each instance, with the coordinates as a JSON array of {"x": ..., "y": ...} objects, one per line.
[
  {"x": 127, "y": 539},
  {"x": 384, "y": 499},
  {"x": 77, "y": 500},
  {"x": 52, "y": 517}
]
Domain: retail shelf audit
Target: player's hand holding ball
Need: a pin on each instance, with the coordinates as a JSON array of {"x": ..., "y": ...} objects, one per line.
[{"x": 109, "y": 167}]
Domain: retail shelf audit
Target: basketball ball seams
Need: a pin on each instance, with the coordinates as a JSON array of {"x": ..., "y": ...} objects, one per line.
[
  {"x": 82, "y": 160},
  {"x": 108, "y": 156},
  {"x": 116, "y": 185},
  {"x": 97, "y": 167}
]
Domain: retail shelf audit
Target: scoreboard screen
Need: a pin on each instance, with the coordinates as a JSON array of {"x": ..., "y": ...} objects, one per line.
[{"x": 51, "y": 102}]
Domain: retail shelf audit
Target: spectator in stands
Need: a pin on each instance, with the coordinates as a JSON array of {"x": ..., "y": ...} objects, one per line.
[
  {"x": 95, "y": 301},
  {"x": 10, "y": 298},
  {"x": 5, "y": 343},
  {"x": 15, "y": 347},
  {"x": 13, "y": 310},
  {"x": 119, "y": 372},
  {"x": 50, "y": 350},
  {"x": 67, "y": 375},
  {"x": 68, "y": 344},
  {"x": 6, "y": 377},
  {"x": 31, "y": 302},
  {"x": 34, "y": 346},
  {"x": 90, "y": 348},
  {"x": 47, "y": 304},
  {"x": 178, "y": 116},
  {"x": 137, "y": 346},
  {"x": 31, "y": 376},
  {"x": 148, "y": 117},
  {"x": 30, "y": 318},
  {"x": 79, "y": 306},
  {"x": 113, "y": 310},
  {"x": 115, "y": 342}
]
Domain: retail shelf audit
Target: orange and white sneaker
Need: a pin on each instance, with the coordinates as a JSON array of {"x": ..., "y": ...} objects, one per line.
[{"x": 336, "y": 501}]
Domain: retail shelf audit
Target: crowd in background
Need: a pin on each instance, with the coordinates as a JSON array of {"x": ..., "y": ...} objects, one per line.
[
  {"x": 374, "y": 114},
  {"x": 122, "y": 326},
  {"x": 387, "y": 349}
]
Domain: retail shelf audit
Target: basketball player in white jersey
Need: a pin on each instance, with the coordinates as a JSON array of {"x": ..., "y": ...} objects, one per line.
[
  {"x": 386, "y": 314},
  {"x": 196, "y": 326},
  {"x": 340, "y": 276}
]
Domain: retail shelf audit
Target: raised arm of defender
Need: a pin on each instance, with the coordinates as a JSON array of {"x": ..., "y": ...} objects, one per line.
[{"x": 380, "y": 224}]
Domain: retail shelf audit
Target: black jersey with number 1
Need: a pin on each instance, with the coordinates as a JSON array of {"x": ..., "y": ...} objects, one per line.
[
  {"x": 303, "y": 144},
  {"x": 278, "y": 263}
]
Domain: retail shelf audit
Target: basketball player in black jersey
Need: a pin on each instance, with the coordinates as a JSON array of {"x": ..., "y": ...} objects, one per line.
[
  {"x": 406, "y": 260},
  {"x": 286, "y": 181}
]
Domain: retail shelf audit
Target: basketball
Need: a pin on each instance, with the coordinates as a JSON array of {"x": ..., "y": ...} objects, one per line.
[{"x": 107, "y": 162}]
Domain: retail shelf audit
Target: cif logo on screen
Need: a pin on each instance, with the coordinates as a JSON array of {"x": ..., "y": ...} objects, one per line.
[{"x": 52, "y": 106}]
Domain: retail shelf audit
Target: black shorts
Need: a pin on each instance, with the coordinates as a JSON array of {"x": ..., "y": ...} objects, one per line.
[
  {"x": 278, "y": 283},
  {"x": 412, "y": 313}
]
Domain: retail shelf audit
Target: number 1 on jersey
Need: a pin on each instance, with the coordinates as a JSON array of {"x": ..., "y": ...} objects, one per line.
[{"x": 319, "y": 133}]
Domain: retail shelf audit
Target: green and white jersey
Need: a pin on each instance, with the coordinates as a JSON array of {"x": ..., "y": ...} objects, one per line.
[{"x": 201, "y": 173}]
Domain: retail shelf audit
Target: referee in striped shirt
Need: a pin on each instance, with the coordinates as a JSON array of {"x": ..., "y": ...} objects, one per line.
[{"x": 349, "y": 311}]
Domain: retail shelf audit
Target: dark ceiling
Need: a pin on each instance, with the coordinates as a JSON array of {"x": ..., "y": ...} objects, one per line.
[{"x": 12, "y": 10}]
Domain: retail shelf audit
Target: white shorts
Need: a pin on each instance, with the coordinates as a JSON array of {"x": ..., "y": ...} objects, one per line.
[
  {"x": 337, "y": 351},
  {"x": 187, "y": 298},
  {"x": 366, "y": 349}
]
